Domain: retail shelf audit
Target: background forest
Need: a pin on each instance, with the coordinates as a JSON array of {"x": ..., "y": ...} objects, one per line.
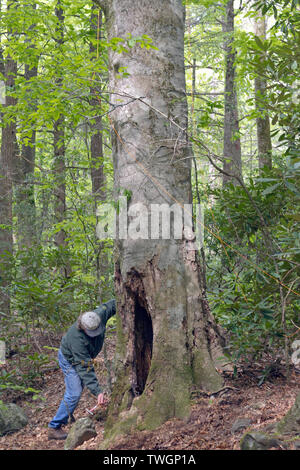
[{"x": 56, "y": 169}]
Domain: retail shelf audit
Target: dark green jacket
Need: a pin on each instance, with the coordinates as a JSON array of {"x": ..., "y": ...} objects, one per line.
[{"x": 80, "y": 349}]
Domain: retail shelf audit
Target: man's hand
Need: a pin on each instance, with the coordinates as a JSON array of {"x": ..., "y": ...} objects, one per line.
[{"x": 101, "y": 399}]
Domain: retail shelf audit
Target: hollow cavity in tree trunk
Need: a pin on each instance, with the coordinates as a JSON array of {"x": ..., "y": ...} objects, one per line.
[
  {"x": 166, "y": 343},
  {"x": 143, "y": 343}
]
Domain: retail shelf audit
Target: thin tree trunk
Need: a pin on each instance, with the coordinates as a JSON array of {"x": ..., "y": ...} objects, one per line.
[
  {"x": 25, "y": 200},
  {"x": 98, "y": 176},
  {"x": 25, "y": 192},
  {"x": 166, "y": 337},
  {"x": 7, "y": 168},
  {"x": 97, "y": 167},
  {"x": 264, "y": 144},
  {"x": 231, "y": 144},
  {"x": 97, "y": 156},
  {"x": 59, "y": 155},
  {"x": 60, "y": 187}
]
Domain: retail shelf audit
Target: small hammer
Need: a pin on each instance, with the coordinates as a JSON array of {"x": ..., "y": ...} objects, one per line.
[{"x": 92, "y": 409}]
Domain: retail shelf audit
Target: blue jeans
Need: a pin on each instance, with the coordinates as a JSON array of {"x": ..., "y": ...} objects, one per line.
[{"x": 72, "y": 394}]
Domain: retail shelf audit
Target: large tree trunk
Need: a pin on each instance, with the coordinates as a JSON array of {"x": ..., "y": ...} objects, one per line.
[
  {"x": 232, "y": 164},
  {"x": 264, "y": 144},
  {"x": 166, "y": 337}
]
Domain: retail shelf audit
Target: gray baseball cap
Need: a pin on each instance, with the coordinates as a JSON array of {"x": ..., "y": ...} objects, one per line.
[{"x": 90, "y": 322}]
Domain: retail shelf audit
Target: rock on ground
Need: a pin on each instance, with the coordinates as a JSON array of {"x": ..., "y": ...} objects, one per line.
[
  {"x": 240, "y": 424},
  {"x": 82, "y": 430},
  {"x": 258, "y": 441},
  {"x": 290, "y": 423},
  {"x": 12, "y": 418},
  {"x": 285, "y": 430}
]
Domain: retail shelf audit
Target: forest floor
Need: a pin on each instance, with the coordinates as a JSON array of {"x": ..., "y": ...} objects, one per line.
[{"x": 209, "y": 426}]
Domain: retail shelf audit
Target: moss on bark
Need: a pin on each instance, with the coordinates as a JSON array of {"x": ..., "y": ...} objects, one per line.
[
  {"x": 205, "y": 375},
  {"x": 290, "y": 423},
  {"x": 157, "y": 285},
  {"x": 167, "y": 392}
]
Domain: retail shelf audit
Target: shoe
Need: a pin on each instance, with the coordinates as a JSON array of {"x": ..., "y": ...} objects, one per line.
[{"x": 57, "y": 433}]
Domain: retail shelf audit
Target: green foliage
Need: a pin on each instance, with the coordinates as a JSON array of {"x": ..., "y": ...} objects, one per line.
[
  {"x": 25, "y": 376},
  {"x": 252, "y": 231},
  {"x": 277, "y": 59},
  {"x": 50, "y": 284},
  {"x": 244, "y": 284},
  {"x": 258, "y": 262}
]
